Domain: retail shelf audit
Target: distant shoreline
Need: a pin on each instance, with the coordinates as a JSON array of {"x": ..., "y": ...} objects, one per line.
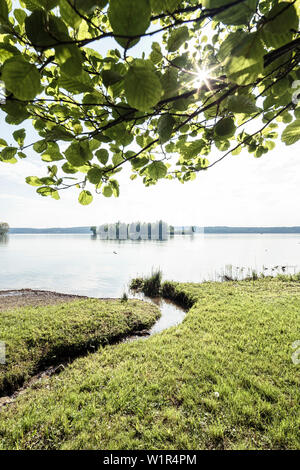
[{"x": 207, "y": 230}]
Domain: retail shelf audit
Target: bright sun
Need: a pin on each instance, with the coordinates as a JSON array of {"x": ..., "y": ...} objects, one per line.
[{"x": 202, "y": 76}]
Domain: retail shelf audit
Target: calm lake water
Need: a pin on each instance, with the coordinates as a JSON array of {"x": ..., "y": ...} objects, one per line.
[{"x": 82, "y": 265}]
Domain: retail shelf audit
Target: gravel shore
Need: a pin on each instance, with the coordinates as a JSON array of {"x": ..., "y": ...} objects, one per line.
[{"x": 10, "y": 299}]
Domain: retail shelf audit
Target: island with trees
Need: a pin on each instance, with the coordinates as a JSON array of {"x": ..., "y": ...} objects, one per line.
[{"x": 4, "y": 228}]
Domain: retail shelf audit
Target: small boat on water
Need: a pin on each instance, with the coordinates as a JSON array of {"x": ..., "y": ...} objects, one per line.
[{"x": 4, "y": 228}]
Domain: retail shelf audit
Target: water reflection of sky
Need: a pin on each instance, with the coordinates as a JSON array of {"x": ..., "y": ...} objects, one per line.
[{"x": 82, "y": 265}]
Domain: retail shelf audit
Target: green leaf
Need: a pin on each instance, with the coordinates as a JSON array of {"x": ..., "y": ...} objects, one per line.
[
  {"x": 44, "y": 30},
  {"x": 170, "y": 84},
  {"x": 69, "y": 169},
  {"x": 59, "y": 133},
  {"x": 40, "y": 146},
  {"x": 21, "y": 78},
  {"x": 94, "y": 175},
  {"x": 241, "y": 104},
  {"x": 107, "y": 191},
  {"x": 259, "y": 151},
  {"x": 165, "y": 127},
  {"x": 246, "y": 62},
  {"x": 115, "y": 187},
  {"x": 34, "y": 181},
  {"x": 177, "y": 38},
  {"x": 102, "y": 156},
  {"x": 270, "y": 144},
  {"x": 22, "y": 155},
  {"x": 143, "y": 89},
  {"x": 69, "y": 15},
  {"x": 70, "y": 59},
  {"x": 291, "y": 133},
  {"x": 85, "y": 198},
  {"x": 16, "y": 111},
  {"x": 52, "y": 154},
  {"x": 157, "y": 170},
  {"x": 55, "y": 195},
  {"x": 78, "y": 153},
  {"x": 158, "y": 6},
  {"x": 280, "y": 87},
  {"x": 20, "y": 15},
  {"x": 192, "y": 149},
  {"x": 79, "y": 84},
  {"x": 129, "y": 18},
  {"x": 7, "y": 51},
  {"x": 8, "y": 153},
  {"x": 222, "y": 145},
  {"x": 117, "y": 159},
  {"x": 156, "y": 54},
  {"x": 88, "y": 6},
  {"x": 287, "y": 118},
  {"x": 120, "y": 134},
  {"x": 231, "y": 42},
  {"x": 37, "y": 29},
  {"x": 48, "y": 4},
  {"x": 139, "y": 162},
  {"x": 37, "y": 4},
  {"x": 110, "y": 77},
  {"x": 19, "y": 136},
  {"x": 3, "y": 11},
  {"x": 225, "y": 128},
  {"x": 94, "y": 144},
  {"x": 46, "y": 191},
  {"x": 235, "y": 15},
  {"x": 281, "y": 19},
  {"x": 237, "y": 151}
]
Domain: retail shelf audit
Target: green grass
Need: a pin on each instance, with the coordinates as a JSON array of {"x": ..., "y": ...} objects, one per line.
[
  {"x": 223, "y": 379},
  {"x": 39, "y": 336}
]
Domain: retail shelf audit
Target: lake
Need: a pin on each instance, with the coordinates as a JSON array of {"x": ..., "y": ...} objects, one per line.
[{"x": 79, "y": 264}]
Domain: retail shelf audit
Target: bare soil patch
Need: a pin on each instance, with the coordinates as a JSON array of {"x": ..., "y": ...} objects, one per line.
[{"x": 10, "y": 299}]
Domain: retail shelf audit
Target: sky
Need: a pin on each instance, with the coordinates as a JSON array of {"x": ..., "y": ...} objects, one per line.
[{"x": 239, "y": 191}]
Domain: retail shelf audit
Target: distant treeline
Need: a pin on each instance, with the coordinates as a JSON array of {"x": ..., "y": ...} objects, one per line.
[
  {"x": 251, "y": 229},
  {"x": 213, "y": 230},
  {"x": 51, "y": 230}
]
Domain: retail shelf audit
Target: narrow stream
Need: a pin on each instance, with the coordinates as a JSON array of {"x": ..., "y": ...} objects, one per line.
[{"x": 171, "y": 314}]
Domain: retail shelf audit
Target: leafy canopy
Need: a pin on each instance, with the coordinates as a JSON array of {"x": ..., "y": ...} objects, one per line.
[{"x": 217, "y": 70}]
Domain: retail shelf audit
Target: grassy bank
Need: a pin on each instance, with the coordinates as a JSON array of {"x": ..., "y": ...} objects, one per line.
[
  {"x": 223, "y": 379},
  {"x": 39, "y": 336}
]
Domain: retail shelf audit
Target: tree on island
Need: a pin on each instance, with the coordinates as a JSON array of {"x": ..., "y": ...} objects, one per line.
[
  {"x": 4, "y": 228},
  {"x": 135, "y": 230},
  {"x": 222, "y": 74}
]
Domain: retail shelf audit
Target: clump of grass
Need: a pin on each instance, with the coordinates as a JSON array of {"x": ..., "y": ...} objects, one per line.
[
  {"x": 150, "y": 286},
  {"x": 254, "y": 276},
  {"x": 289, "y": 277},
  {"x": 173, "y": 291},
  {"x": 137, "y": 284},
  {"x": 230, "y": 276}
]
